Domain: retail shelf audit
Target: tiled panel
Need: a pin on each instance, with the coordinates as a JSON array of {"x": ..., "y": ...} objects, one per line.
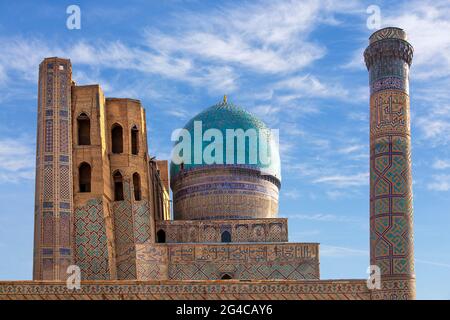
[
  {"x": 240, "y": 261},
  {"x": 91, "y": 253},
  {"x": 209, "y": 231}
]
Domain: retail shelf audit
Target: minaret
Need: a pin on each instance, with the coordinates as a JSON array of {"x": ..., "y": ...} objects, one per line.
[
  {"x": 54, "y": 195},
  {"x": 388, "y": 59}
]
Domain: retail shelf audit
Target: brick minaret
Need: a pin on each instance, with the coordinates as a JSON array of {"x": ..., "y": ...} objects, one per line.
[
  {"x": 54, "y": 195},
  {"x": 388, "y": 59}
]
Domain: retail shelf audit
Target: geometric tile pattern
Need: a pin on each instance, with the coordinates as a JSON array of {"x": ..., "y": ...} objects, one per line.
[
  {"x": 209, "y": 231},
  {"x": 224, "y": 192},
  {"x": 155, "y": 266},
  {"x": 91, "y": 253},
  {"x": 192, "y": 290},
  {"x": 141, "y": 212},
  {"x": 240, "y": 261},
  {"x": 48, "y": 183},
  {"x": 48, "y": 229},
  {"x": 391, "y": 191},
  {"x": 395, "y": 289},
  {"x": 65, "y": 229},
  {"x": 124, "y": 235},
  {"x": 65, "y": 184},
  {"x": 53, "y": 181},
  {"x": 388, "y": 58}
]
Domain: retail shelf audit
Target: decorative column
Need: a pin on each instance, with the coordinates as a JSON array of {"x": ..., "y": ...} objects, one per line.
[
  {"x": 54, "y": 194},
  {"x": 388, "y": 59}
]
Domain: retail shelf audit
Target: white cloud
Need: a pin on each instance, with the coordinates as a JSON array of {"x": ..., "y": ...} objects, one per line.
[
  {"x": 351, "y": 148},
  {"x": 356, "y": 62},
  {"x": 428, "y": 29},
  {"x": 322, "y": 217},
  {"x": 435, "y": 129},
  {"x": 17, "y": 160},
  {"x": 210, "y": 50},
  {"x": 291, "y": 194},
  {"x": 441, "y": 164},
  {"x": 310, "y": 86},
  {"x": 3, "y": 76},
  {"x": 264, "y": 37},
  {"x": 336, "y": 194},
  {"x": 179, "y": 113},
  {"x": 333, "y": 251},
  {"x": 433, "y": 263},
  {"x": 22, "y": 56},
  {"x": 440, "y": 182},
  {"x": 344, "y": 181}
]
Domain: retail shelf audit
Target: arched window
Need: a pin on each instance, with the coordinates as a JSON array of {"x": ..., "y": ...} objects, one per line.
[
  {"x": 84, "y": 129},
  {"x": 118, "y": 186},
  {"x": 161, "y": 236},
  {"x": 117, "y": 139},
  {"x": 84, "y": 177},
  {"x": 226, "y": 236},
  {"x": 134, "y": 140},
  {"x": 137, "y": 186},
  {"x": 226, "y": 276}
]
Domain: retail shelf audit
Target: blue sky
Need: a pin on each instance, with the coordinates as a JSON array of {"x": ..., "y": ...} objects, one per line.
[{"x": 297, "y": 65}]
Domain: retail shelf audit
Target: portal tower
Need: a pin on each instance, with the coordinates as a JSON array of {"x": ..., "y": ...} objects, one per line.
[
  {"x": 54, "y": 195},
  {"x": 388, "y": 59}
]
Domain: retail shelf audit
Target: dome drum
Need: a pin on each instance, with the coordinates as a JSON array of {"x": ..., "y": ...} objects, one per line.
[{"x": 224, "y": 192}]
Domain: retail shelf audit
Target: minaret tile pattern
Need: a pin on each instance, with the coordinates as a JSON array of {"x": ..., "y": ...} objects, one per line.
[
  {"x": 388, "y": 59},
  {"x": 54, "y": 195}
]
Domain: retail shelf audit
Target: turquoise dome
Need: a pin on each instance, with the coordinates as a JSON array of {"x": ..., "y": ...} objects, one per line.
[{"x": 225, "y": 116}]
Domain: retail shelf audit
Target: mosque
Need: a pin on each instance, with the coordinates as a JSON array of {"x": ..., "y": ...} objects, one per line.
[{"x": 102, "y": 202}]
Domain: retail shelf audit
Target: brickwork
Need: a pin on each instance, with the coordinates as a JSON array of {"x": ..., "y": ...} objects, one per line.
[
  {"x": 288, "y": 261},
  {"x": 54, "y": 201},
  {"x": 91, "y": 251},
  {"x": 224, "y": 192},
  {"x": 190, "y": 290},
  {"x": 102, "y": 202},
  {"x": 210, "y": 231},
  {"x": 388, "y": 59}
]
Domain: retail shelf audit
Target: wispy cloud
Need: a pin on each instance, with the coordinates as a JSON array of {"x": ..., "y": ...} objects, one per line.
[
  {"x": 341, "y": 252},
  {"x": 428, "y": 30},
  {"x": 433, "y": 263},
  {"x": 351, "y": 148},
  {"x": 21, "y": 56},
  {"x": 344, "y": 181},
  {"x": 309, "y": 85},
  {"x": 440, "y": 164},
  {"x": 16, "y": 160},
  {"x": 336, "y": 194},
  {"x": 322, "y": 217},
  {"x": 264, "y": 37},
  {"x": 440, "y": 182},
  {"x": 291, "y": 194}
]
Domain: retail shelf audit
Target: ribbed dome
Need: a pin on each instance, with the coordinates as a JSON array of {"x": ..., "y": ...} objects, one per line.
[{"x": 225, "y": 116}]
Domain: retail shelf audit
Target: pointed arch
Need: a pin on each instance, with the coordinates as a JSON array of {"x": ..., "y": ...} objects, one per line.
[
  {"x": 117, "y": 138},
  {"x": 84, "y": 177},
  {"x": 84, "y": 129},
  {"x": 161, "y": 236},
  {"x": 226, "y": 236},
  {"x": 134, "y": 140},
  {"x": 118, "y": 186},
  {"x": 137, "y": 186}
]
